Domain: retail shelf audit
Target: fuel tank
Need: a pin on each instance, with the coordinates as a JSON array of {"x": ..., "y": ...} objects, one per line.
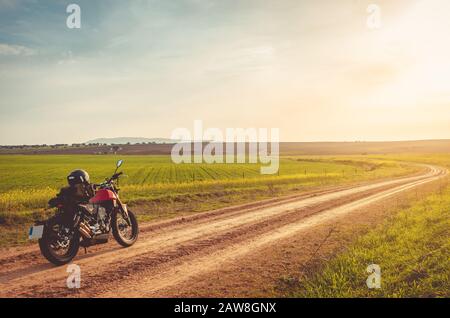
[{"x": 103, "y": 195}]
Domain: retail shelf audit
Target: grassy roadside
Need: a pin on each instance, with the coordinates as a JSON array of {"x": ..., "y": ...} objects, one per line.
[{"x": 412, "y": 249}]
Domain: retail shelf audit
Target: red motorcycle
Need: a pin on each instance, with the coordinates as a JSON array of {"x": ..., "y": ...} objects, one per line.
[{"x": 86, "y": 223}]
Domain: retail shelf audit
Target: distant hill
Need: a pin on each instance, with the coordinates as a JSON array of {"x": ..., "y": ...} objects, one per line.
[{"x": 131, "y": 140}]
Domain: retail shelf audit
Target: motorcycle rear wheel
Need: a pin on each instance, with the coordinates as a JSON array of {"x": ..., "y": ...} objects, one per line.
[{"x": 50, "y": 253}]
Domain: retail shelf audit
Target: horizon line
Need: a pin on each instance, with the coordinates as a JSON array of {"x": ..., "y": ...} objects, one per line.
[{"x": 185, "y": 141}]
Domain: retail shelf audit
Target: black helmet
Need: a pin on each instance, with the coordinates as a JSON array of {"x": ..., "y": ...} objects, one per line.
[{"x": 78, "y": 177}]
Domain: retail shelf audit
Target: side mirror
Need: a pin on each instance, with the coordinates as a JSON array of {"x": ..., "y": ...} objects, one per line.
[{"x": 119, "y": 163}]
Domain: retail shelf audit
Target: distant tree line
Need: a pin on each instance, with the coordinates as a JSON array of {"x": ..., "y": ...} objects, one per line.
[{"x": 74, "y": 145}]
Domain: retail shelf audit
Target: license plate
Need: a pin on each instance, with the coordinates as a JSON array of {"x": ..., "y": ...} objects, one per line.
[{"x": 36, "y": 232}]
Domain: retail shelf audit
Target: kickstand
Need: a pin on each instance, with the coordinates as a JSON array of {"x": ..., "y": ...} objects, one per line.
[{"x": 85, "y": 250}]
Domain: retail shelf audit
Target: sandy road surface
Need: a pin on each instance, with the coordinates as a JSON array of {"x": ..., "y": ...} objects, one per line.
[{"x": 174, "y": 251}]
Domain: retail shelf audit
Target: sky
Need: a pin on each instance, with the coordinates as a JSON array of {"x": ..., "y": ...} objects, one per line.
[{"x": 314, "y": 69}]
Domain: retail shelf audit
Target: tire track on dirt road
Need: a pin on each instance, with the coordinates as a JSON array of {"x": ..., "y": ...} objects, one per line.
[{"x": 176, "y": 250}]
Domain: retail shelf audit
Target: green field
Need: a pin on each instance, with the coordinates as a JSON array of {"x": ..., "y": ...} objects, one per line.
[
  {"x": 156, "y": 187},
  {"x": 35, "y": 172}
]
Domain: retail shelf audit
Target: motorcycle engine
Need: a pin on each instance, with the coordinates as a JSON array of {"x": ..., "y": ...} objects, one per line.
[
  {"x": 102, "y": 219},
  {"x": 98, "y": 220}
]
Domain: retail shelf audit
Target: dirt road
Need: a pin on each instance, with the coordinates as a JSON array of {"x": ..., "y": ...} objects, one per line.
[{"x": 173, "y": 252}]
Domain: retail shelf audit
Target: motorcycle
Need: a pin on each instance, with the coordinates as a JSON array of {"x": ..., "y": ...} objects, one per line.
[{"x": 91, "y": 223}]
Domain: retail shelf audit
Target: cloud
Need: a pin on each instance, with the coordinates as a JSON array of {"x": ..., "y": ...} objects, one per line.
[{"x": 15, "y": 50}]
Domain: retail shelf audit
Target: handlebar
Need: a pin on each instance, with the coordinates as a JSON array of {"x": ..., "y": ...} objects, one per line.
[
  {"x": 109, "y": 180},
  {"x": 116, "y": 175}
]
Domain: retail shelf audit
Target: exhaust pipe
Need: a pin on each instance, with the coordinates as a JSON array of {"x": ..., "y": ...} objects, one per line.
[{"x": 85, "y": 230}]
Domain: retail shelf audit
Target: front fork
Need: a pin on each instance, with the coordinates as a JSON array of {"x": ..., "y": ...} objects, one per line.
[{"x": 124, "y": 210}]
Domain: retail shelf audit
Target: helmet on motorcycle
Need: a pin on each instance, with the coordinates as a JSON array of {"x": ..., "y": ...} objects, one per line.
[{"x": 78, "y": 177}]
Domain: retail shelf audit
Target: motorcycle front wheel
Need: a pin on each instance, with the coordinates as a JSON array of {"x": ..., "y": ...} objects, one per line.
[
  {"x": 124, "y": 233},
  {"x": 56, "y": 250}
]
